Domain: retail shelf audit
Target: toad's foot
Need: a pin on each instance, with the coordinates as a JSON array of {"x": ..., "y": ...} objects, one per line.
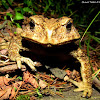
[
  {"x": 28, "y": 61},
  {"x": 86, "y": 73},
  {"x": 13, "y": 53},
  {"x": 87, "y": 90},
  {"x": 4, "y": 45}
]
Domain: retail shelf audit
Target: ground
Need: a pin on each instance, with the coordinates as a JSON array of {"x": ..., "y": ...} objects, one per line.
[{"x": 70, "y": 95}]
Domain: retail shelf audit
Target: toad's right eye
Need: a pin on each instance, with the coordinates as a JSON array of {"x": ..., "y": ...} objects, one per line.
[
  {"x": 32, "y": 24},
  {"x": 68, "y": 26}
]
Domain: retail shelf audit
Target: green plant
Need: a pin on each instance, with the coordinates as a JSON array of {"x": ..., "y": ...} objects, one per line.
[
  {"x": 87, "y": 42},
  {"x": 19, "y": 77},
  {"x": 38, "y": 93},
  {"x": 23, "y": 97},
  {"x": 6, "y": 3}
]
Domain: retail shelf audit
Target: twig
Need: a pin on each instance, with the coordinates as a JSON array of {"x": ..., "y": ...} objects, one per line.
[
  {"x": 18, "y": 90},
  {"x": 96, "y": 82},
  {"x": 3, "y": 25},
  {"x": 8, "y": 63},
  {"x": 59, "y": 94},
  {"x": 11, "y": 68}
]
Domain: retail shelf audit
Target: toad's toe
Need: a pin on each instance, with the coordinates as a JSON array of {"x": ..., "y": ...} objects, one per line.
[{"x": 28, "y": 61}]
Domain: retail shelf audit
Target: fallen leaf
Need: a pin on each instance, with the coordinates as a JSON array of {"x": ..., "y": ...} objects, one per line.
[
  {"x": 68, "y": 72},
  {"x": 7, "y": 93},
  {"x": 15, "y": 86},
  {"x": 4, "y": 81},
  {"x": 4, "y": 51},
  {"x": 42, "y": 84},
  {"x": 28, "y": 78},
  {"x": 66, "y": 78}
]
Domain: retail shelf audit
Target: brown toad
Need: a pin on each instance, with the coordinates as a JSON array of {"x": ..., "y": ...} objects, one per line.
[{"x": 52, "y": 32}]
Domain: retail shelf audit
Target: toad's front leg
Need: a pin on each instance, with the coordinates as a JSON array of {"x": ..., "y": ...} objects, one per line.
[
  {"x": 13, "y": 53},
  {"x": 86, "y": 73}
]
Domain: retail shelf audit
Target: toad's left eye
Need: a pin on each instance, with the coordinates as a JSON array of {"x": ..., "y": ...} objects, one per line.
[
  {"x": 68, "y": 26},
  {"x": 32, "y": 24}
]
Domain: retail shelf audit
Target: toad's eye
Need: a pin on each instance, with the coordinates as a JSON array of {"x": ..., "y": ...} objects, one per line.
[
  {"x": 32, "y": 24},
  {"x": 68, "y": 26}
]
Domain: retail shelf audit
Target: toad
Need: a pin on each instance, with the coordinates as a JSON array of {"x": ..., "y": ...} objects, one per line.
[{"x": 51, "y": 32}]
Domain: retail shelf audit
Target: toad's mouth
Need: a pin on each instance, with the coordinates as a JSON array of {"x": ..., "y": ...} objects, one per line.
[{"x": 50, "y": 44}]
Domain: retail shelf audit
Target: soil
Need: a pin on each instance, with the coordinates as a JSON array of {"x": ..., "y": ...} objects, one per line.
[{"x": 70, "y": 95}]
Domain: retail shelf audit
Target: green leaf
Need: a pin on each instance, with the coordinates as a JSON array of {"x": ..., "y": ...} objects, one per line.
[
  {"x": 46, "y": 8},
  {"x": 10, "y": 2},
  {"x": 4, "y": 3},
  {"x": 89, "y": 46},
  {"x": 38, "y": 92},
  {"x": 90, "y": 25},
  {"x": 19, "y": 77},
  {"x": 5, "y": 17},
  {"x": 9, "y": 14},
  {"x": 18, "y": 9},
  {"x": 88, "y": 43},
  {"x": 15, "y": 88},
  {"x": 27, "y": 9},
  {"x": 15, "y": 32},
  {"x": 35, "y": 7},
  {"x": 18, "y": 25},
  {"x": 95, "y": 38},
  {"x": 18, "y": 16},
  {"x": 23, "y": 97}
]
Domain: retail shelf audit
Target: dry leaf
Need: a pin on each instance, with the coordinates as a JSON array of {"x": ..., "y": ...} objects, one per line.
[
  {"x": 66, "y": 78},
  {"x": 4, "y": 81},
  {"x": 68, "y": 72},
  {"x": 28, "y": 78},
  {"x": 4, "y": 51},
  {"x": 15, "y": 86},
  {"x": 7, "y": 93},
  {"x": 42, "y": 84}
]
